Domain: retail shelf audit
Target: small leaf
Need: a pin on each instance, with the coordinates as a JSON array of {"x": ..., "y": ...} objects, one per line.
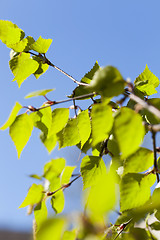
[
  {"x": 22, "y": 67},
  {"x": 39, "y": 93},
  {"x": 20, "y": 131},
  {"x": 34, "y": 195},
  {"x": 40, "y": 214},
  {"x": 92, "y": 167},
  {"x": 23, "y": 45},
  {"x": 135, "y": 190},
  {"x": 108, "y": 82},
  {"x": 140, "y": 161},
  {"x": 146, "y": 82},
  {"x": 84, "y": 126},
  {"x": 10, "y": 33},
  {"x": 12, "y": 116},
  {"x": 124, "y": 130},
  {"x": 66, "y": 174},
  {"x": 102, "y": 121},
  {"x": 82, "y": 90},
  {"x": 58, "y": 201},
  {"x": 42, "y": 66},
  {"x": 41, "y": 45}
]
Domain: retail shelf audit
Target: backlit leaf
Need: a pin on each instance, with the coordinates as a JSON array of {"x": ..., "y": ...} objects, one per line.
[
  {"x": 10, "y": 33},
  {"x": 102, "y": 195},
  {"x": 42, "y": 66},
  {"x": 54, "y": 168},
  {"x": 140, "y": 161},
  {"x": 12, "y": 116},
  {"x": 92, "y": 167},
  {"x": 23, "y": 45},
  {"x": 20, "y": 131},
  {"x": 107, "y": 82},
  {"x": 40, "y": 214},
  {"x": 66, "y": 174},
  {"x": 59, "y": 119},
  {"x": 49, "y": 142},
  {"x": 84, "y": 126},
  {"x": 129, "y": 131},
  {"x": 34, "y": 195},
  {"x": 57, "y": 201},
  {"x": 69, "y": 235},
  {"x": 22, "y": 67},
  {"x": 146, "y": 82},
  {"x": 135, "y": 190},
  {"x": 39, "y": 93},
  {"x": 41, "y": 45},
  {"x": 102, "y": 121}
]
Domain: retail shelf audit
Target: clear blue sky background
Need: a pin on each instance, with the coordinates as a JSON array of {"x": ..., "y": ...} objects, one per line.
[{"x": 123, "y": 33}]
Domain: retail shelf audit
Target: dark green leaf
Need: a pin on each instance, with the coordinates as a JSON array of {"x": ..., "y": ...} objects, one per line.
[{"x": 155, "y": 226}]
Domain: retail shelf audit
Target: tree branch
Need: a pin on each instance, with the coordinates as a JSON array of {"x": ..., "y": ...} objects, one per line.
[{"x": 155, "y": 155}]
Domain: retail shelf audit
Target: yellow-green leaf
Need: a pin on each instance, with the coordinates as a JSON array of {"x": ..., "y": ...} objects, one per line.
[
  {"x": 20, "y": 131},
  {"x": 12, "y": 116},
  {"x": 41, "y": 45},
  {"x": 22, "y": 67},
  {"x": 34, "y": 195},
  {"x": 39, "y": 93},
  {"x": 66, "y": 174}
]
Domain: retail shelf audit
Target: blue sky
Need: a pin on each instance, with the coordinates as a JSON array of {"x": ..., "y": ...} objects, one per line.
[{"x": 123, "y": 33}]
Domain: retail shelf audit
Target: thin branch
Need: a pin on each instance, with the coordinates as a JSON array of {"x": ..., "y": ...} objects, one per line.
[
  {"x": 155, "y": 155},
  {"x": 51, "y": 103},
  {"x": 122, "y": 227},
  {"x": 59, "y": 69},
  {"x": 64, "y": 186},
  {"x": 145, "y": 105}
]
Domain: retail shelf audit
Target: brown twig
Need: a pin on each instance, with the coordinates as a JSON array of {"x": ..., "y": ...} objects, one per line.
[{"x": 155, "y": 155}]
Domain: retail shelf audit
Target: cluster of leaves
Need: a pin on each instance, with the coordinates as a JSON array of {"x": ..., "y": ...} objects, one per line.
[{"x": 104, "y": 127}]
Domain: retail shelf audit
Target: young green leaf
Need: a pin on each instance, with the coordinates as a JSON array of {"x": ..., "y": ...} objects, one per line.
[
  {"x": 140, "y": 161},
  {"x": 41, "y": 45},
  {"x": 10, "y": 33},
  {"x": 107, "y": 82},
  {"x": 129, "y": 131},
  {"x": 40, "y": 214},
  {"x": 42, "y": 66},
  {"x": 20, "y": 131},
  {"x": 146, "y": 82},
  {"x": 22, "y": 67},
  {"x": 12, "y": 116},
  {"x": 82, "y": 90},
  {"x": 66, "y": 174},
  {"x": 84, "y": 127},
  {"x": 58, "y": 201},
  {"x": 23, "y": 45},
  {"x": 92, "y": 168},
  {"x": 34, "y": 195},
  {"x": 135, "y": 190},
  {"x": 102, "y": 195},
  {"x": 39, "y": 93},
  {"x": 49, "y": 141},
  {"x": 59, "y": 119},
  {"x": 70, "y": 133},
  {"x": 102, "y": 121}
]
